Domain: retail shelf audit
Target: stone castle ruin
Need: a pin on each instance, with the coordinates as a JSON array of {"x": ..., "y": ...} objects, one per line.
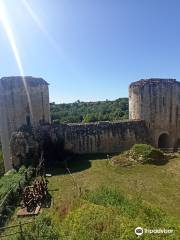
[
  {"x": 26, "y": 129},
  {"x": 19, "y": 107}
]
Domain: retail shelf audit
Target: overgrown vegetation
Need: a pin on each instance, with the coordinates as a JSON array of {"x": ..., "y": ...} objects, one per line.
[
  {"x": 41, "y": 228},
  {"x": 10, "y": 180},
  {"x": 10, "y": 186},
  {"x": 135, "y": 196},
  {"x": 140, "y": 153},
  {"x": 90, "y": 111},
  {"x": 109, "y": 214},
  {"x": 145, "y": 153},
  {"x": 103, "y": 214}
]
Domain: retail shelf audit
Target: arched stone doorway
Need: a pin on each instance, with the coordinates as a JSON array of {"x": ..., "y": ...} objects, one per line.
[
  {"x": 177, "y": 145},
  {"x": 163, "y": 141}
]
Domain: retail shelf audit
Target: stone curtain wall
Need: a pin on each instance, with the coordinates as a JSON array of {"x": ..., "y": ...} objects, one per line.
[
  {"x": 100, "y": 137},
  {"x": 103, "y": 137}
]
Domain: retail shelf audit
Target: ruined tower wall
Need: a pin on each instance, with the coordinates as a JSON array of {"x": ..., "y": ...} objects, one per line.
[
  {"x": 104, "y": 137},
  {"x": 16, "y": 110},
  {"x": 157, "y": 101}
]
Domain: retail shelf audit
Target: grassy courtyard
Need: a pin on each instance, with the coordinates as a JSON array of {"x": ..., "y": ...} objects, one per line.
[
  {"x": 159, "y": 185},
  {"x": 155, "y": 185}
]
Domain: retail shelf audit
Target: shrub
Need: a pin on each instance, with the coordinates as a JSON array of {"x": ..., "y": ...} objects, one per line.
[
  {"x": 140, "y": 153},
  {"x": 144, "y": 153},
  {"x": 10, "y": 184}
]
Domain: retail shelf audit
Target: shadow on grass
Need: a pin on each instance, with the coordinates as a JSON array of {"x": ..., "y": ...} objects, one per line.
[
  {"x": 158, "y": 162},
  {"x": 47, "y": 201},
  {"x": 161, "y": 162},
  {"x": 75, "y": 163}
]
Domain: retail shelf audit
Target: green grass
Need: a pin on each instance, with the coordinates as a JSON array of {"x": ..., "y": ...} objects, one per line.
[
  {"x": 157, "y": 186},
  {"x": 102, "y": 214},
  {"x": 109, "y": 214}
]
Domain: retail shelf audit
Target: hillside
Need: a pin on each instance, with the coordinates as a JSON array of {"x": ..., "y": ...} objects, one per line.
[{"x": 90, "y": 111}]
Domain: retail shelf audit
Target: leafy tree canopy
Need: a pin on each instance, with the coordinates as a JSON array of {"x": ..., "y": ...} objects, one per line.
[{"x": 89, "y": 111}]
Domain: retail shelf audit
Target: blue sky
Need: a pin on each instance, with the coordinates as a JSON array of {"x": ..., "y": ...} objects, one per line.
[{"x": 92, "y": 49}]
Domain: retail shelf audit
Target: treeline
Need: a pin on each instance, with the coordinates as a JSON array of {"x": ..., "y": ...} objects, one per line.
[{"x": 89, "y": 111}]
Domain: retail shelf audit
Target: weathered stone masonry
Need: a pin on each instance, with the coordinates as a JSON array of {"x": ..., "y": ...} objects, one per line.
[
  {"x": 157, "y": 101},
  {"x": 16, "y": 110},
  {"x": 101, "y": 137},
  {"x": 154, "y": 117},
  {"x": 104, "y": 137}
]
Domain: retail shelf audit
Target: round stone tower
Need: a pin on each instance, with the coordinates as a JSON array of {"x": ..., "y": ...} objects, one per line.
[
  {"x": 157, "y": 101},
  {"x": 23, "y": 101}
]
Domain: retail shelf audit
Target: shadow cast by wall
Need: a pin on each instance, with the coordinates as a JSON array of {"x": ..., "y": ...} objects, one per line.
[{"x": 75, "y": 163}]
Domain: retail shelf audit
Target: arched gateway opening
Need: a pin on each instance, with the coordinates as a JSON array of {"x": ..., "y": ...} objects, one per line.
[
  {"x": 177, "y": 145},
  {"x": 163, "y": 141}
]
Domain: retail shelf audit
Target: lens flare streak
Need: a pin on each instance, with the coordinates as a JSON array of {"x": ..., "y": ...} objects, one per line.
[
  {"x": 36, "y": 19},
  {"x": 7, "y": 27}
]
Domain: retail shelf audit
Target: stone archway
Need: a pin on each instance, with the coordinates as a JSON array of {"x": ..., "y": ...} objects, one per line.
[
  {"x": 177, "y": 145},
  {"x": 164, "y": 141}
]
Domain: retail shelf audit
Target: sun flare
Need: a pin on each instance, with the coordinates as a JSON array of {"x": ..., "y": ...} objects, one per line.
[{"x": 10, "y": 35}]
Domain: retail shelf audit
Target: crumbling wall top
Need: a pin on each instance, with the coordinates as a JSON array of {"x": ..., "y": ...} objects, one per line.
[
  {"x": 16, "y": 81},
  {"x": 143, "y": 82}
]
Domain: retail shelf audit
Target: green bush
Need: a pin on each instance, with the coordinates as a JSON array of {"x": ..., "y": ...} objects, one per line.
[
  {"x": 140, "y": 153},
  {"x": 10, "y": 185},
  {"x": 9, "y": 181},
  {"x": 144, "y": 153}
]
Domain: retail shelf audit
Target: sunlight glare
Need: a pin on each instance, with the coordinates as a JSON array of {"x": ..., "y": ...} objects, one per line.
[
  {"x": 41, "y": 26},
  {"x": 7, "y": 27}
]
